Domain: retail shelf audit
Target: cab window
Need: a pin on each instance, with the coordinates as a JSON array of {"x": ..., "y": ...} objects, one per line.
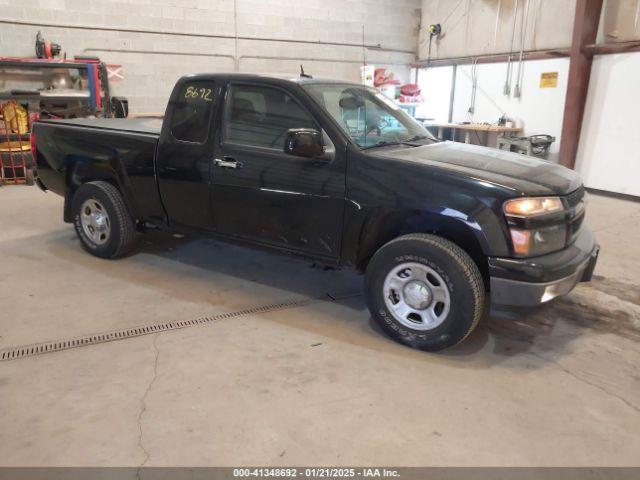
[
  {"x": 192, "y": 112},
  {"x": 260, "y": 116}
]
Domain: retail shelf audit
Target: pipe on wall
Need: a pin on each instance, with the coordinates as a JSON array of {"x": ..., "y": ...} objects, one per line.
[
  {"x": 376, "y": 47},
  {"x": 157, "y": 52},
  {"x": 310, "y": 59},
  {"x": 240, "y": 58},
  {"x": 236, "y": 62},
  {"x": 523, "y": 38},
  {"x": 507, "y": 83}
]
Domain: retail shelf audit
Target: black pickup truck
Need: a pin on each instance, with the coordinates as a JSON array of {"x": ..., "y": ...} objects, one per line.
[{"x": 335, "y": 172}]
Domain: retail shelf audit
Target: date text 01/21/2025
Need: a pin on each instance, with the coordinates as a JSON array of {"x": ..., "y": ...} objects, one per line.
[{"x": 316, "y": 472}]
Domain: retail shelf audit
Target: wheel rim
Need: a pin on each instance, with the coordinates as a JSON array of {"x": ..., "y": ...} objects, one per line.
[
  {"x": 417, "y": 296},
  {"x": 95, "y": 221}
]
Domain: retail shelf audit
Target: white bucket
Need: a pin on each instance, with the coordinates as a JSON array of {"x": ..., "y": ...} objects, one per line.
[
  {"x": 389, "y": 91},
  {"x": 367, "y": 73}
]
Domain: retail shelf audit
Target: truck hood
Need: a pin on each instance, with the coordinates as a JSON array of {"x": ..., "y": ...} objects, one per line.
[{"x": 524, "y": 174}]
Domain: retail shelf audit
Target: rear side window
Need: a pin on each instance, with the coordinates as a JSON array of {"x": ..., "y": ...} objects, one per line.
[
  {"x": 192, "y": 112},
  {"x": 260, "y": 116}
]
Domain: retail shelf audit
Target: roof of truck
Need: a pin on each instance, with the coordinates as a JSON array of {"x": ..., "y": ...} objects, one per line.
[
  {"x": 265, "y": 76},
  {"x": 153, "y": 125}
]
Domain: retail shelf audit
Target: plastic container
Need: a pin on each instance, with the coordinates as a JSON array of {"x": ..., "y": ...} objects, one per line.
[
  {"x": 389, "y": 91},
  {"x": 367, "y": 73}
]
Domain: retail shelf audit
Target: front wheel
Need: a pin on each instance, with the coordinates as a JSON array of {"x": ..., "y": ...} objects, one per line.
[
  {"x": 424, "y": 291},
  {"x": 102, "y": 221}
]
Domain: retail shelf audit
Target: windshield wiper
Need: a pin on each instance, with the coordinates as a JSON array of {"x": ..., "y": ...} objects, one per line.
[
  {"x": 383, "y": 143},
  {"x": 415, "y": 138},
  {"x": 386, "y": 143}
]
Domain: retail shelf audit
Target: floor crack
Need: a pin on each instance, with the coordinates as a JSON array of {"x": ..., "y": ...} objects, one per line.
[
  {"x": 143, "y": 405},
  {"x": 584, "y": 380}
]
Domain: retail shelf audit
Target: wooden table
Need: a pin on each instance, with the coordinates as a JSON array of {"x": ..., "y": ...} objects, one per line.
[{"x": 473, "y": 127}]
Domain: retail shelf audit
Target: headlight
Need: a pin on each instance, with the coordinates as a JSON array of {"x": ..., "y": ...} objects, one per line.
[
  {"x": 530, "y": 236},
  {"x": 531, "y": 207},
  {"x": 531, "y": 243}
]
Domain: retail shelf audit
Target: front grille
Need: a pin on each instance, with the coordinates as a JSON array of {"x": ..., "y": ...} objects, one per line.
[
  {"x": 574, "y": 227},
  {"x": 575, "y": 197},
  {"x": 575, "y": 201}
]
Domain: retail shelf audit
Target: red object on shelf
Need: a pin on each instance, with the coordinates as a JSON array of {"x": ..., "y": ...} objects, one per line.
[{"x": 410, "y": 90}]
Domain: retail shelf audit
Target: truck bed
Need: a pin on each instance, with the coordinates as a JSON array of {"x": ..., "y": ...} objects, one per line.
[
  {"x": 74, "y": 149},
  {"x": 149, "y": 125}
]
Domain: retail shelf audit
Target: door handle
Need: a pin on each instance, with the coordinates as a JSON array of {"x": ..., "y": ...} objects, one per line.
[{"x": 227, "y": 162}]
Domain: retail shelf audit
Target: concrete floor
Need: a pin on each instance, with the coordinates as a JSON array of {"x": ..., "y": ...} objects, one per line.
[{"x": 315, "y": 385}]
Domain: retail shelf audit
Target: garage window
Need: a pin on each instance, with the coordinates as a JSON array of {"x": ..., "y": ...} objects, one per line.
[
  {"x": 260, "y": 116},
  {"x": 192, "y": 112}
]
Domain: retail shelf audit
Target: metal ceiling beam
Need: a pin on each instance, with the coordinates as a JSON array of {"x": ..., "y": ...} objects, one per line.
[
  {"x": 585, "y": 30},
  {"x": 492, "y": 58},
  {"x": 615, "y": 47}
]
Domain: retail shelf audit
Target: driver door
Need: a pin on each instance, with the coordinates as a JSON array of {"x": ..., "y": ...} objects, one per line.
[{"x": 263, "y": 195}]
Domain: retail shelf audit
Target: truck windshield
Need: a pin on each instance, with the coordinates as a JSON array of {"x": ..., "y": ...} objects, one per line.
[{"x": 370, "y": 118}]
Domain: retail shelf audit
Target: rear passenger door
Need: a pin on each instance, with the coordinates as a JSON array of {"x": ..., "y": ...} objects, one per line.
[
  {"x": 185, "y": 153},
  {"x": 263, "y": 195}
]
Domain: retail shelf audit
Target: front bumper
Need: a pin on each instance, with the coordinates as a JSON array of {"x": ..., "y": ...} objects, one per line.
[{"x": 532, "y": 281}]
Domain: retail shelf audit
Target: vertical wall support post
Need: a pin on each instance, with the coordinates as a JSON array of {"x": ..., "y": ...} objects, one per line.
[{"x": 585, "y": 30}]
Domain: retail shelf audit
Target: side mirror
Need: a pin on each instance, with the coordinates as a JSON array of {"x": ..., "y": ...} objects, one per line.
[{"x": 303, "y": 142}]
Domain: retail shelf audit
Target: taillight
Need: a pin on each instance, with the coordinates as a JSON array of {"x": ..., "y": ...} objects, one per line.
[{"x": 34, "y": 150}]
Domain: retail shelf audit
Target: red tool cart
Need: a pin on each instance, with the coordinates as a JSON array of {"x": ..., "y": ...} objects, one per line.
[{"x": 47, "y": 87}]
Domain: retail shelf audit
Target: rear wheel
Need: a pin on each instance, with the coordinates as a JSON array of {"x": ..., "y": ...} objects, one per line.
[
  {"x": 102, "y": 221},
  {"x": 424, "y": 291}
]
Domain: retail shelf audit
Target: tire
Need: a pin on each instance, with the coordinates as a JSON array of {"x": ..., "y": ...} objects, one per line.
[
  {"x": 101, "y": 220},
  {"x": 432, "y": 279}
]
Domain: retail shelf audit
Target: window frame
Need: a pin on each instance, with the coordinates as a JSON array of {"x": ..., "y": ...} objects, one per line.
[
  {"x": 226, "y": 109},
  {"x": 212, "y": 110}
]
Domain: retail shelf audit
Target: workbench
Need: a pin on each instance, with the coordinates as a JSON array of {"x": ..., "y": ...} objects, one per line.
[{"x": 467, "y": 128}]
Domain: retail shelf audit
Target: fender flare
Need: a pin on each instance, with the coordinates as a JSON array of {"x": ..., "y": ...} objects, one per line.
[
  {"x": 83, "y": 170},
  {"x": 472, "y": 236}
]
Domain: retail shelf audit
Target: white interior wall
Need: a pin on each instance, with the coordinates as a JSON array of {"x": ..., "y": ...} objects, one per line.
[
  {"x": 436, "y": 89},
  {"x": 609, "y": 151},
  {"x": 538, "y": 110},
  {"x": 620, "y": 21},
  {"x": 481, "y": 27}
]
